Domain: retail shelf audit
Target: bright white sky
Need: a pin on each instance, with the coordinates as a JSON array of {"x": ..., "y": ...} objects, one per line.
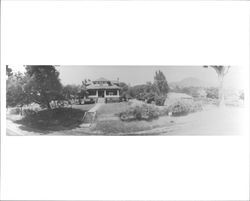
[{"x": 141, "y": 74}]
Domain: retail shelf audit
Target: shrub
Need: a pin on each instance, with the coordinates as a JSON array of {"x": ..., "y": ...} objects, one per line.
[
  {"x": 212, "y": 92},
  {"x": 179, "y": 108},
  {"x": 28, "y": 112},
  {"x": 164, "y": 111},
  {"x": 140, "y": 112},
  {"x": 55, "y": 119},
  {"x": 16, "y": 110},
  {"x": 242, "y": 96},
  {"x": 159, "y": 100},
  {"x": 183, "y": 107}
]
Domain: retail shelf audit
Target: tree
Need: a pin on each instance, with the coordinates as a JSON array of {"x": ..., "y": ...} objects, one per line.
[
  {"x": 8, "y": 71},
  {"x": 212, "y": 92},
  {"x": 15, "y": 92},
  {"x": 138, "y": 91},
  {"x": 83, "y": 89},
  {"x": 124, "y": 89},
  {"x": 70, "y": 91},
  {"x": 150, "y": 92},
  {"x": 43, "y": 84},
  {"x": 161, "y": 82},
  {"x": 221, "y": 72}
]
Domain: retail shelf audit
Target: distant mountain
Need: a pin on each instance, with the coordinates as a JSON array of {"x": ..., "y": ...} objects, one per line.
[{"x": 191, "y": 82}]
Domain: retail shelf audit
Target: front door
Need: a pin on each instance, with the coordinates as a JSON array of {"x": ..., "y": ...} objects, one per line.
[{"x": 101, "y": 93}]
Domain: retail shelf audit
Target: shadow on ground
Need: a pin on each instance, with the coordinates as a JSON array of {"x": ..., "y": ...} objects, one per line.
[{"x": 47, "y": 121}]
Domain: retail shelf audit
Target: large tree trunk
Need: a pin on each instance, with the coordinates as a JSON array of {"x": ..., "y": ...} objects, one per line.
[{"x": 221, "y": 72}]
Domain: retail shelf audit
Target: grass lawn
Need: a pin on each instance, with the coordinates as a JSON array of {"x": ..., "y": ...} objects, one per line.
[
  {"x": 120, "y": 127},
  {"x": 84, "y": 107},
  {"x": 108, "y": 120},
  {"x": 113, "y": 108}
]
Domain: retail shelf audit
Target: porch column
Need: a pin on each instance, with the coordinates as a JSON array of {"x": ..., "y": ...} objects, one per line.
[
  {"x": 104, "y": 93},
  {"x": 96, "y": 93},
  {"x": 118, "y": 93}
]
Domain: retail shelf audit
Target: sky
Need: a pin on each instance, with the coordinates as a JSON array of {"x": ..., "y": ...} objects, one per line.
[{"x": 141, "y": 74}]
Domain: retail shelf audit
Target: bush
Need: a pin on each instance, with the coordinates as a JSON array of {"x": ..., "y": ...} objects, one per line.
[
  {"x": 159, "y": 100},
  {"x": 183, "y": 107},
  {"x": 16, "y": 110},
  {"x": 242, "y": 96},
  {"x": 55, "y": 119},
  {"x": 212, "y": 93},
  {"x": 29, "y": 112},
  {"x": 179, "y": 108},
  {"x": 140, "y": 112}
]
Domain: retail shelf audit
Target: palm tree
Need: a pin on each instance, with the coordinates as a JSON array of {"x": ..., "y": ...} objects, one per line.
[{"x": 221, "y": 72}]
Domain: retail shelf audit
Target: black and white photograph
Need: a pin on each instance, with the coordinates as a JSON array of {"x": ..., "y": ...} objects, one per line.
[{"x": 124, "y": 100}]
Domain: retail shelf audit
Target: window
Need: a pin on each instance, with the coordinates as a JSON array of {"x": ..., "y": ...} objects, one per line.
[
  {"x": 111, "y": 92},
  {"x": 92, "y": 92}
]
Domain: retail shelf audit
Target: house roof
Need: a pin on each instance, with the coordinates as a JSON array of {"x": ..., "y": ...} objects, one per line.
[
  {"x": 102, "y": 87},
  {"x": 101, "y": 79},
  {"x": 115, "y": 81}
]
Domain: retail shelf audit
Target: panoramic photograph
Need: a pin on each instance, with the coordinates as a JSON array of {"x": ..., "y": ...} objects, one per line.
[{"x": 124, "y": 100}]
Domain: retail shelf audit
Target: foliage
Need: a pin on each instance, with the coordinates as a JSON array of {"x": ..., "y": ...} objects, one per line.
[
  {"x": 183, "y": 107},
  {"x": 53, "y": 120},
  {"x": 220, "y": 70},
  {"x": 16, "y": 110},
  {"x": 40, "y": 84},
  {"x": 43, "y": 84},
  {"x": 124, "y": 90},
  {"x": 242, "y": 96},
  {"x": 151, "y": 92},
  {"x": 150, "y": 97},
  {"x": 71, "y": 91},
  {"x": 147, "y": 92},
  {"x": 212, "y": 92},
  {"x": 15, "y": 92},
  {"x": 29, "y": 112},
  {"x": 140, "y": 112},
  {"x": 137, "y": 91},
  {"x": 8, "y": 71},
  {"x": 159, "y": 100},
  {"x": 161, "y": 82}
]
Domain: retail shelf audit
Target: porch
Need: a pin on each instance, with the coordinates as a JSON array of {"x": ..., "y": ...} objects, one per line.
[{"x": 104, "y": 93}]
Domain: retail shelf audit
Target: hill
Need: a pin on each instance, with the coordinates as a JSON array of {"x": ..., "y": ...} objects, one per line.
[{"x": 191, "y": 82}]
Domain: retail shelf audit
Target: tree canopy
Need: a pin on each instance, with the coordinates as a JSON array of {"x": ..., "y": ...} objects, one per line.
[
  {"x": 161, "y": 82},
  {"x": 15, "y": 92},
  {"x": 43, "y": 84},
  {"x": 8, "y": 71}
]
